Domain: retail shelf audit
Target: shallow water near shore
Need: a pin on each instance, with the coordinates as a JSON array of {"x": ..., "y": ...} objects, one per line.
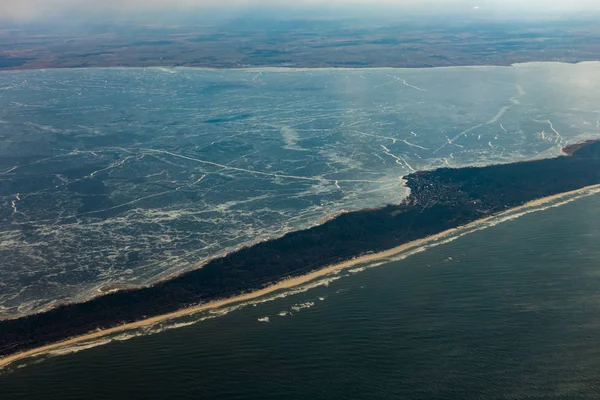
[{"x": 506, "y": 312}]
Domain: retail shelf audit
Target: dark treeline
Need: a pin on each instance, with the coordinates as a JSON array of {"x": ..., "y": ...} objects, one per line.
[{"x": 439, "y": 200}]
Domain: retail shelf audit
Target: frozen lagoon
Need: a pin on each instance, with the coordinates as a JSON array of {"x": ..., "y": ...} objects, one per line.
[{"x": 126, "y": 176}]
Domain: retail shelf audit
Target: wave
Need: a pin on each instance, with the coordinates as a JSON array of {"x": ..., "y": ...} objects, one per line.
[{"x": 302, "y": 306}]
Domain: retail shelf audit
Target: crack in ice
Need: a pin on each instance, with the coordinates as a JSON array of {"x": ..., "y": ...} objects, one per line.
[{"x": 249, "y": 171}]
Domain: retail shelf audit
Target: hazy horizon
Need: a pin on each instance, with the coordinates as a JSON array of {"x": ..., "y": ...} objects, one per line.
[{"x": 71, "y": 11}]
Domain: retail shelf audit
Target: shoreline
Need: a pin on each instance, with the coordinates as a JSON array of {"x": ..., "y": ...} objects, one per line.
[
  {"x": 282, "y": 284},
  {"x": 269, "y": 68}
]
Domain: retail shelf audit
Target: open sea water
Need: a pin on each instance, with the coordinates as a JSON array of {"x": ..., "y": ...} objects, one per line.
[{"x": 507, "y": 312}]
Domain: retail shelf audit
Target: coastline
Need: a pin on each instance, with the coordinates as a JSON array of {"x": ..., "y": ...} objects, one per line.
[
  {"x": 282, "y": 284},
  {"x": 268, "y": 68}
]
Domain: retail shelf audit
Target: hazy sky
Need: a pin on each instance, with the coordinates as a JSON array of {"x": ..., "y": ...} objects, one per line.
[{"x": 40, "y": 9}]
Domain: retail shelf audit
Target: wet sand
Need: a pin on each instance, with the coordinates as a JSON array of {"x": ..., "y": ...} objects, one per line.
[{"x": 281, "y": 285}]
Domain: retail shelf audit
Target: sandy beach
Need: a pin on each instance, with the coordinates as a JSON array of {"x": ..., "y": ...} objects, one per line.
[{"x": 281, "y": 285}]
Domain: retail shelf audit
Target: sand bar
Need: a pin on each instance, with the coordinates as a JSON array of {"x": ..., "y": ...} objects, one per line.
[{"x": 284, "y": 284}]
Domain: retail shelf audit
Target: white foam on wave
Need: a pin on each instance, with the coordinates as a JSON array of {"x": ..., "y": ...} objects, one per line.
[
  {"x": 356, "y": 270},
  {"x": 302, "y": 306}
]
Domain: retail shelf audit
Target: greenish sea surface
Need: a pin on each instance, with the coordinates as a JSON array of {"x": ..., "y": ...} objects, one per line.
[{"x": 507, "y": 312}]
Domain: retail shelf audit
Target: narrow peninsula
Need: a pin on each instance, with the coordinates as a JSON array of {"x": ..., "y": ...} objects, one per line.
[{"x": 440, "y": 200}]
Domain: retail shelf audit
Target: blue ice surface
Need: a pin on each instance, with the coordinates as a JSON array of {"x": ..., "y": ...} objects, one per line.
[{"x": 131, "y": 175}]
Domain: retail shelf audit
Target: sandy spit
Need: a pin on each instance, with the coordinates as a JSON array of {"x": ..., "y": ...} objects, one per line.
[{"x": 284, "y": 284}]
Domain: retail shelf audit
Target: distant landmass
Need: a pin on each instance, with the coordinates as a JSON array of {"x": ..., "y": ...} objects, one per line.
[
  {"x": 440, "y": 200},
  {"x": 407, "y": 42}
]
